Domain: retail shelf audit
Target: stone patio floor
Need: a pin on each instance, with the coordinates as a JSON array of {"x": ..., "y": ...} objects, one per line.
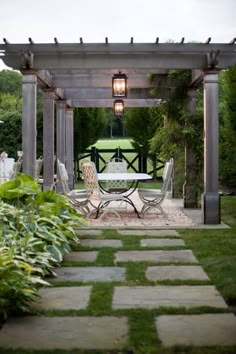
[
  {"x": 177, "y": 216},
  {"x": 215, "y": 327}
]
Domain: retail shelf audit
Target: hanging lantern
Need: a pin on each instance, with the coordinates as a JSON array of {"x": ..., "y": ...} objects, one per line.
[
  {"x": 119, "y": 107},
  {"x": 119, "y": 85}
]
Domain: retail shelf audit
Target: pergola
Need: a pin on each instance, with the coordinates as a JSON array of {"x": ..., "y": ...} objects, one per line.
[{"x": 80, "y": 75}]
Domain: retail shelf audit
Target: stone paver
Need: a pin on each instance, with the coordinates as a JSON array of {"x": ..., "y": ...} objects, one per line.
[
  {"x": 161, "y": 242},
  {"x": 150, "y": 297},
  {"x": 155, "y": 256},
  {"x": 65, "y": 333},
  {"x": 197, "y": 330},
  {"x": 89, "y": 232},
  {"x": 89, "y": 256},
  {"x": 87, "y": 274},
  {"x": 178, "y": 272},
  {"x": 153, "y": 233},
  {"x": 66, "y": 298},
  {"x": 101, "y": 243}
]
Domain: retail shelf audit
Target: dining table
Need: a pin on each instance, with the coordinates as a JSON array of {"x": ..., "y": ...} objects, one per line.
[{"x": 134, "y": 178}]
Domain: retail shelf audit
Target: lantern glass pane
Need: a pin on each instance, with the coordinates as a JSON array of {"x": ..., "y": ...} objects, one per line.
[
  {"x": 119, "y": 108},
  {"x": 119, "y": 87}
]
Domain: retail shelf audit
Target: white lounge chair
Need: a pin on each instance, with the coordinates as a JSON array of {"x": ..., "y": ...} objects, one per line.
[{"x": 153, "y": 198}]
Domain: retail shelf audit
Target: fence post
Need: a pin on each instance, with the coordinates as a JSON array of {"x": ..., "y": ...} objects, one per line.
[
  {"x": 93, "y": 154},
  {"x": 117, "y": 153},
  {"x": 142, "y": 161}
]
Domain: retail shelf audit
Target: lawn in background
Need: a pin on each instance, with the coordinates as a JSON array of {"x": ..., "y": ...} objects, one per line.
[{"x": 124, "y": 143}]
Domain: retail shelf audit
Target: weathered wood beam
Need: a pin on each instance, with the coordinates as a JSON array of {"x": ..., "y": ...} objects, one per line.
[
  {"x": 45, "y": 78},
  {"x": 101, "y": 81},
  {"x": 110, "y": 102},
  {"x": 208, "y": 40},
  {"x": 197, "y": 77},
  {"x": 119, "y": 55},
  {"x": 106, "y": 93}
]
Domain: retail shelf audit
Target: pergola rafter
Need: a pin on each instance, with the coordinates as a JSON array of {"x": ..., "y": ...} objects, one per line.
[{"x": 79, "y": 75}]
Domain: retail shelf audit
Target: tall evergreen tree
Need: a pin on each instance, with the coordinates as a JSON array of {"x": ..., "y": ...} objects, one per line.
[{"x": 228, "y": 129}]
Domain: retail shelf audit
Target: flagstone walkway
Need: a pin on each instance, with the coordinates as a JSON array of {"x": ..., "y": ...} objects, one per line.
[{"x": 70, "y": 325}]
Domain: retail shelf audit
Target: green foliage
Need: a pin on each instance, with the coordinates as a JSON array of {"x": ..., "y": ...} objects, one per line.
[
  {"x": 178, "y": 128},
  {"x": 228, "y": 129},
  {"x": 88, "y": 125},
  {"x": 141, "y": 127},
  {"x": 10, "y": 82},
  {"x": 34, "y": 237},
  {"x": 18, "y": 284},
  {"x": 19, "y": 188}
]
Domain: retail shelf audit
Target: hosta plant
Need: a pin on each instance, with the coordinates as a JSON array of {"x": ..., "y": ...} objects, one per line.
[{"x": 19, "y": 282}]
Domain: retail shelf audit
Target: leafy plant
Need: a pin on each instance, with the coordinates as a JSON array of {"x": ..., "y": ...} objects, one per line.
[
  {"x": 18, "y": 283},
  {"x": 36, "y": 230},
  {"x": 20, "y": 187}
]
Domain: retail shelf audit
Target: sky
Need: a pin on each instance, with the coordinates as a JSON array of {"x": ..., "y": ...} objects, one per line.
[{"x": 119, "y": 20}]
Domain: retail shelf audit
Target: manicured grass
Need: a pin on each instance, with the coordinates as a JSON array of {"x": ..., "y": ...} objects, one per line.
[
  {"x": 114, "y": 143},
  {"x": 216, "y": 250}
]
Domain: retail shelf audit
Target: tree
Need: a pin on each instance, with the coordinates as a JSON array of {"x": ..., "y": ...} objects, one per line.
[
  {"x": 227, "y": 151},
  {"x": 88, "y": 126},
  {"x": 141, "y": 124},
  {"x": 10, "y": 82}
]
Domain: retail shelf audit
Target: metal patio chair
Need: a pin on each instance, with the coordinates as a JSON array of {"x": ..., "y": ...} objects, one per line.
[
  {"x": 116, "y": 165},
  {"x": 98, "y": 200},
  {"x": 153, "y": 198},
  {"x": 77, "y": 198}
]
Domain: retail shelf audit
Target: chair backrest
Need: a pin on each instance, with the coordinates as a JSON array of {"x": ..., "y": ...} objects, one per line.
[
  {"x": 89, "y": 173},
  {"x": 16, "y": 168},
  {"x": 63, "y": 176},
  {"x": 167, "y": 174},
  {"x": 38, "y": 167},
  {"x": 116, "y": 166},
  {"x": 6, "y": 168}
]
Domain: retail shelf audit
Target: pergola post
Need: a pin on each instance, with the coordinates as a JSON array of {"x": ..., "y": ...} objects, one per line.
[
  {"x": 29, "y": 93},
  {"x": 190, "y": 188},
  {"x": 48, "y": 139},
  {"x": 69, "y": 145},
  {"x": 60, "y": 141},
  {"x": 210, "y": 197}
]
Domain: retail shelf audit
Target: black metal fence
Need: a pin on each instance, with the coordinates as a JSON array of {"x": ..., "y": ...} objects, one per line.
[{"x": 136, "y": 160}]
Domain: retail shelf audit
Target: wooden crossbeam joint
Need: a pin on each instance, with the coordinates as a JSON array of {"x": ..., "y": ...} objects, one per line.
[
  {"x": 213, "y": 59},
  {"x": 27, "y": 60}
]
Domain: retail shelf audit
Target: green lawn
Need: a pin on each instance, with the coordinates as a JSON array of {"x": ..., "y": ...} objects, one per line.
[
  {"x": 113, "y": 144},
  {"x": 216, "y": 250}
]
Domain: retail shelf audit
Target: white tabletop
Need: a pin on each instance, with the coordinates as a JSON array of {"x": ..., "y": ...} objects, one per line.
[{"x": 123, "y": 176}]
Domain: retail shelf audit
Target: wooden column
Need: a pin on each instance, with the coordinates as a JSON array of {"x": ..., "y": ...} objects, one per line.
[
  {"x": 48, "y": 139},
  {"x": 70, "y": 146},
  {"x": 190, "y": 185},
  {"x": 29, "y": 93},
  {"x": 210, "y": 197},
  {"x": 60, "y": 138}
]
